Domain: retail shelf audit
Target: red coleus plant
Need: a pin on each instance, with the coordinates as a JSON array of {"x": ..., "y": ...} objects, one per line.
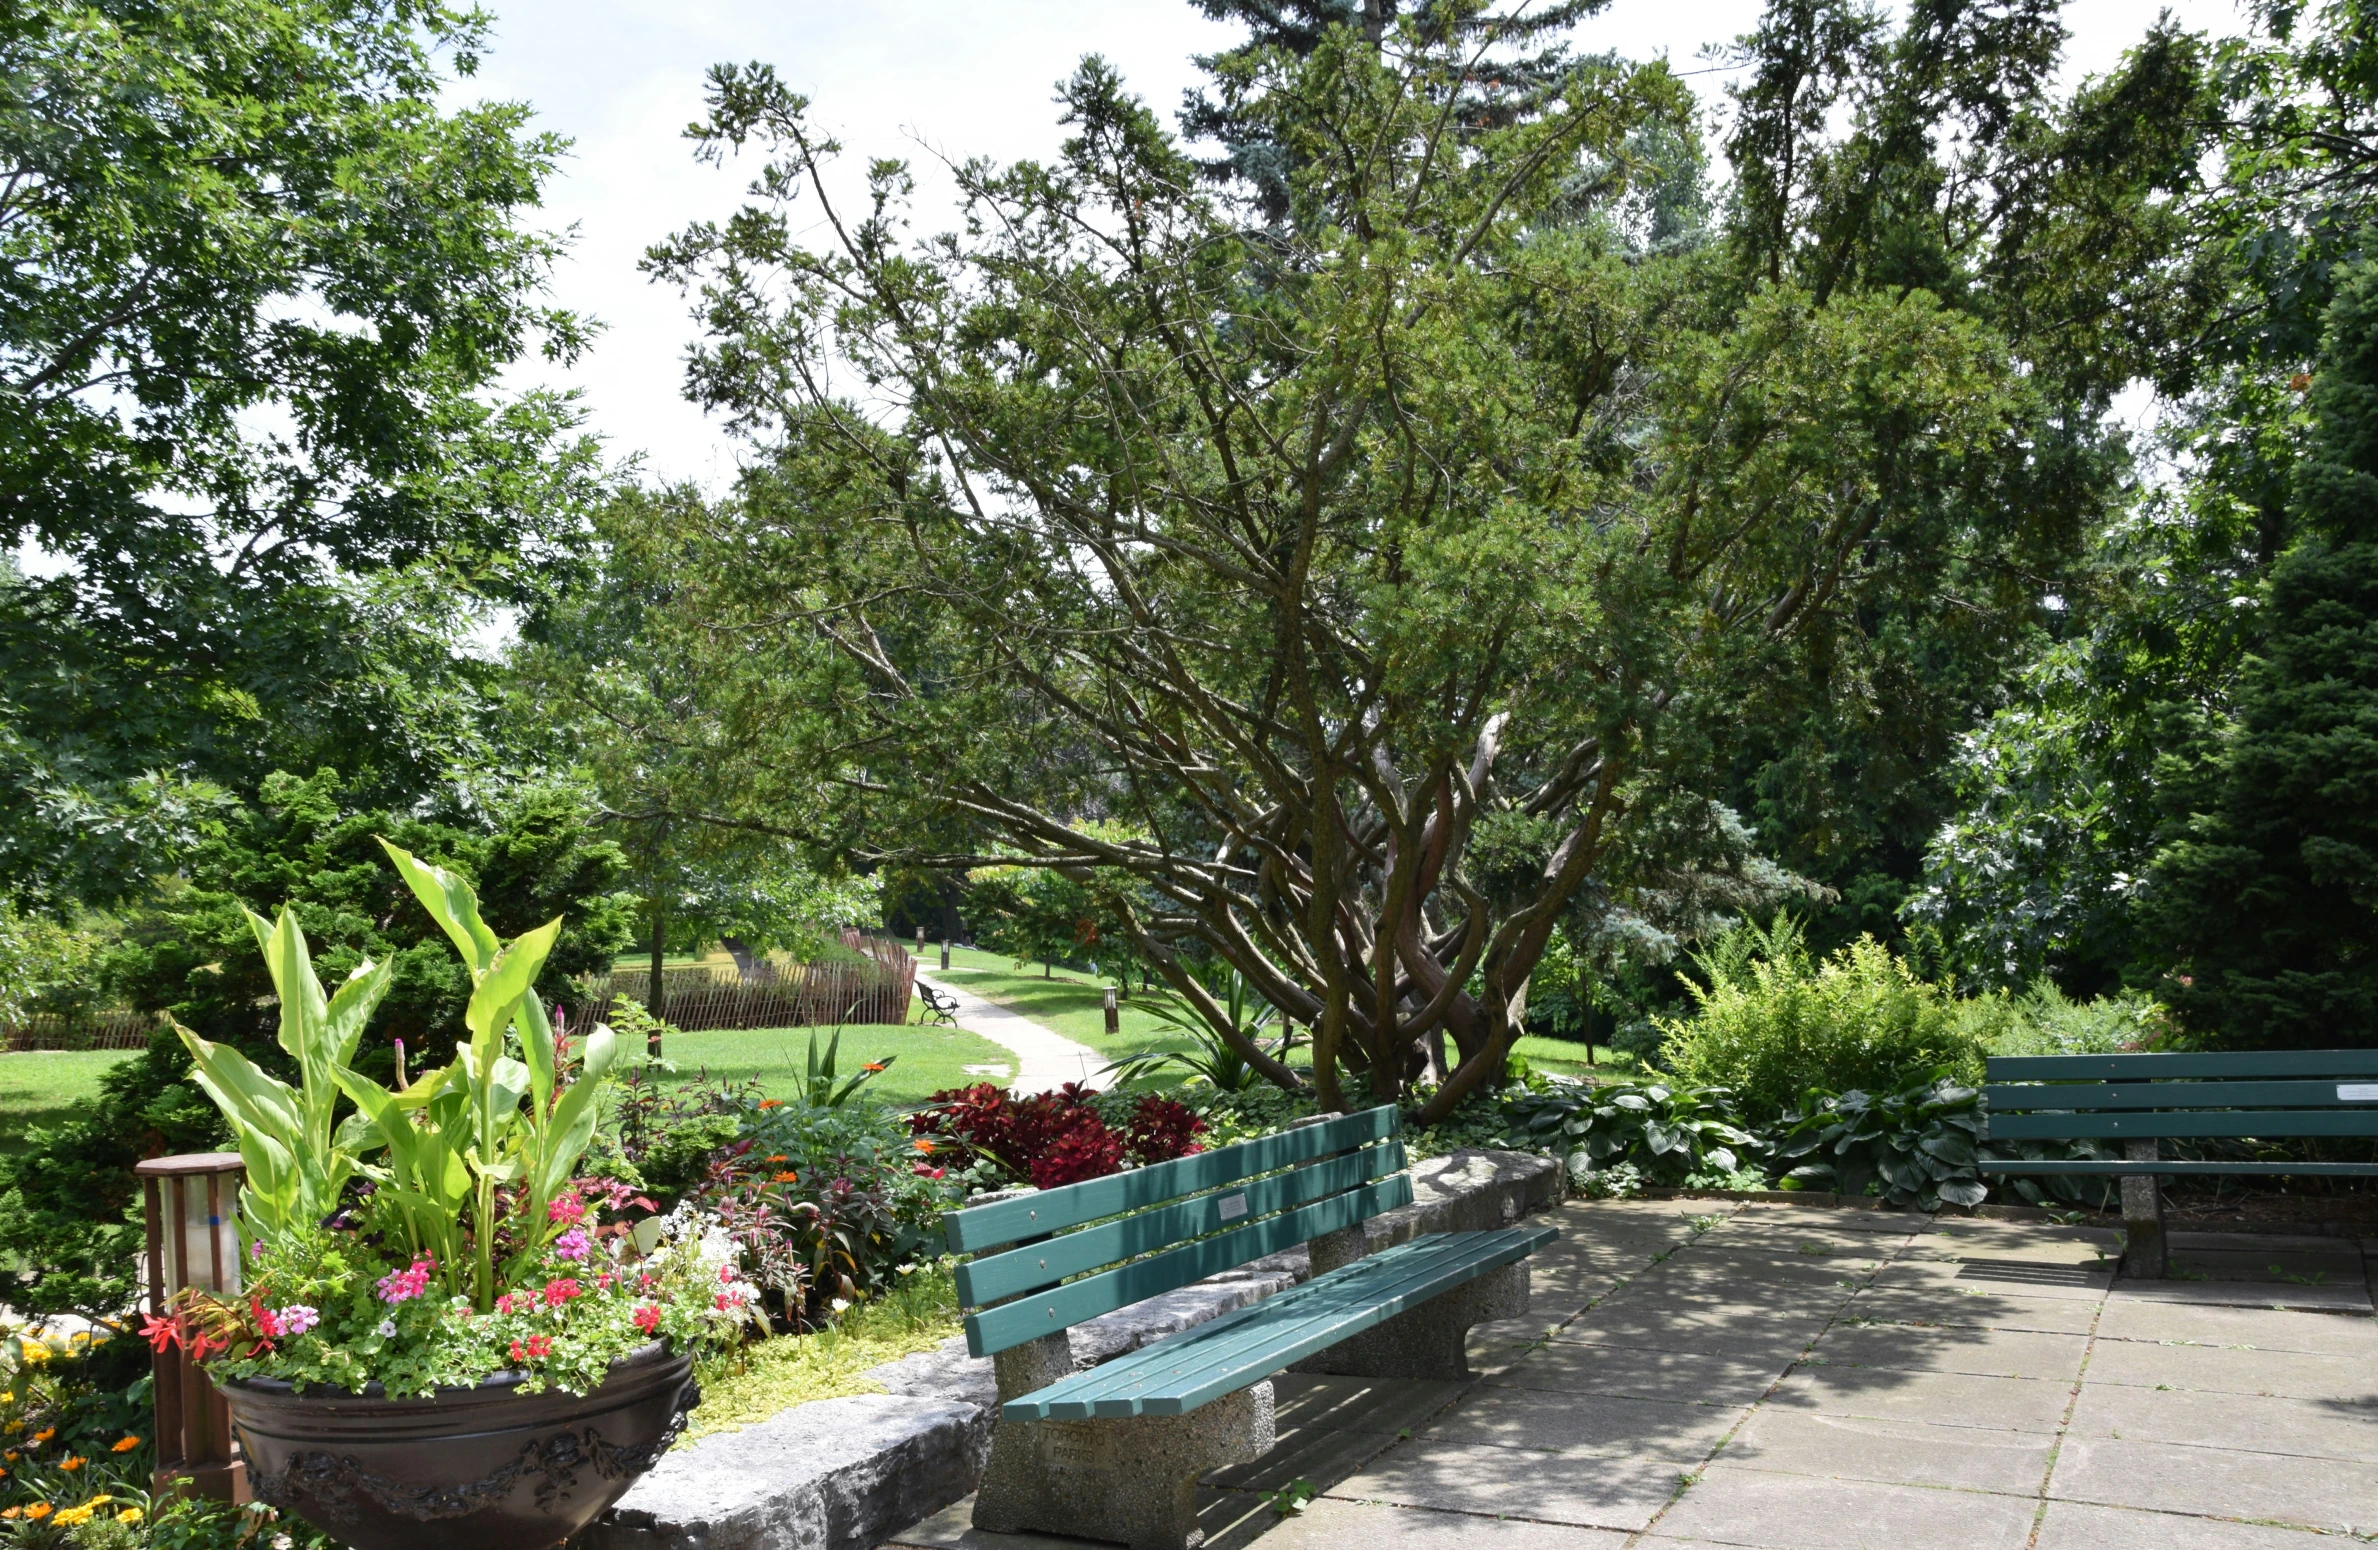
[{"x": 1058, "y": 1137}]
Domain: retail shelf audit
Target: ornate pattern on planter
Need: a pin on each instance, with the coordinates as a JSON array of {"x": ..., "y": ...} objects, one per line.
[{"x": 332, "y": 1484}]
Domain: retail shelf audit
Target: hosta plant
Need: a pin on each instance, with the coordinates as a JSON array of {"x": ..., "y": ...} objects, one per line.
[
  {"x": 440, "y": 1233},
  {"x": 1671, "y": 1134},
  {"x": 1916, "y": 1147}
]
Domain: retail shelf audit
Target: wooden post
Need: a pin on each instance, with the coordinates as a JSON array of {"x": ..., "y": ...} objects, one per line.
[{"x": 196, "y": 1448}]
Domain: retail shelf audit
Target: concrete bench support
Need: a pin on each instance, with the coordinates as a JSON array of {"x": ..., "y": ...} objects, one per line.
[
  {"x": 1131, "y": 1480},
  {"x": 2147, "y": 1256}
]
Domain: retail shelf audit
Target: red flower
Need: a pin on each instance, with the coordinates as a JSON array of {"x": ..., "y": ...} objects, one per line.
[
  {"x": 560, "y": 1290},
  {"x": 159, "y": 1333},
  {"x": 647, "y": 1318},
  {"x": 537, "y": 1346}
]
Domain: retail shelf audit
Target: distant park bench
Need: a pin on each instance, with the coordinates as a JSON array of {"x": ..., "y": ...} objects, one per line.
[
  {"x": 940, "y": 1005},
  {"x": 2140, "y": 1100},
  {"x": 1115, "y": 1452}
]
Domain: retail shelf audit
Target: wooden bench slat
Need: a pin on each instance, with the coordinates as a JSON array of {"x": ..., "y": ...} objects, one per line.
[
  {"x": 1181, "y": 1373},
  {"x": 1011, "y": 1324},
  {"x": 1053, "y": 1210},
  {"x": 2141, "y": 1169},
  {"x": 2267, "y": 1124},
  {"x": 2181, "y": 1095},
  {"x": 1017, "y": 1271},
  {"x": 2149, "y": 1067}
]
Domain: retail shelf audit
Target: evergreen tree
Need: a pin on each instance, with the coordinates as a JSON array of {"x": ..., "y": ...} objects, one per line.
[{"x": 2267, "y": 900}]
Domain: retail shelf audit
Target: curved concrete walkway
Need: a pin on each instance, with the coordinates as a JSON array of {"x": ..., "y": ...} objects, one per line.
[{"x": 1045, "y": 1059}]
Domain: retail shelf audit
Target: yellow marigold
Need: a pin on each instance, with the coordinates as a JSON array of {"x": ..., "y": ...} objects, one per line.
[
  {"x": 34, "y": 1351},
  {"x": 14, "y": 1427},
  {"x": 124, "y": 1445},
  {"x": 130, "y": 1515},
  {"x": 74, "y": 1515}
]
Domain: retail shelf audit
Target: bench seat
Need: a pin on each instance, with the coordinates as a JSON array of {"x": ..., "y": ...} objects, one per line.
[{"x": 1181, "y": 1372}]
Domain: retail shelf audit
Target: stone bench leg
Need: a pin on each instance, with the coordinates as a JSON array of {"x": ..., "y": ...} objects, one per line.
[
  {"x": 2146, "y": 1255},
  {"x": 1432, "y": 1340},
  {"x": 1131, "y": 1480}
]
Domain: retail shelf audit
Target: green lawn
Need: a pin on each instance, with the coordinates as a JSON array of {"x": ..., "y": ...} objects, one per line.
[
  {"x": 925, "y": 1060},
  {"x": 42, "y": 1087},
  {"x": 1070, "y": 1004}
]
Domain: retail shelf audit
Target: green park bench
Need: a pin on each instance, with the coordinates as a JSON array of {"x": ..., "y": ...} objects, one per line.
[
  {"x": 2142, "y": 1100},
  {"x": 1114, "y": 1452}
]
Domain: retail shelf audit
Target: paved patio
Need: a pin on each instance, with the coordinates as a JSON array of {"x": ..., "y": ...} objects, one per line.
[{"x": 1808, "y": 1379}]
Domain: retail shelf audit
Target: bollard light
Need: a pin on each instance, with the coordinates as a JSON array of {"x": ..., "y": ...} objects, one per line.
[
  {"x": 193, "y": 1241},
  {"x": 945, "y": 955},
  {"x": 1114, "y": 1015}
]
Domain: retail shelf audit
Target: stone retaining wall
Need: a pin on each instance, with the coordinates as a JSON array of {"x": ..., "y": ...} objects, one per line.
[{"x": 843, "y": 1474}]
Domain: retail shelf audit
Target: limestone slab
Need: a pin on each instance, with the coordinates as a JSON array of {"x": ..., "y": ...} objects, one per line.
[
  {"x": 2249, "y": 1423},
  {"x": 2270, "y": 1329},
  {"x": 1945, "y": 1398},
  {"x": 1972, "y": 1307},
  {"x": 1740, "y": 1506},
  {"x": 2074, "y": 1526},
  {"x": 1620, "y": 1492},
  {"x": 2234, "y": 1370},
  {"x": 2000, "y": 1353},
  {"x": 2267, "y": 1487},
  {"x": 1708, "y": 1377},
  {"x": 1891, "y": 1452},
  {"x": 1539, "y": 1421}
]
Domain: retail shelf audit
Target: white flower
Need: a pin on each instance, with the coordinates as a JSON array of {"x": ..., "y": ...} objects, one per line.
[
  {"x": 840, "y": 1303},
  {"x": 387, "y": 1329},
  {"x": 282, "y": 1542}
]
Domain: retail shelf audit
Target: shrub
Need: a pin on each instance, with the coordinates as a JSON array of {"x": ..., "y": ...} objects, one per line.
[
  {"x": 1058, "y": 1138},
  {"x": 1915, "y": 1147},
  {"x": 1665, "y": 1132},
  {"x": 1778, "y": 1027},
  {"x": 2043, "y": 1021}
]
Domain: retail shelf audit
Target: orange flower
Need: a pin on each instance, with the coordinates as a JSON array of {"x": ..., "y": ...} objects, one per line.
[
  {"x": 788, "y": 1177},
  {"x": 39, "y": 1511},
  {"x": 72, "y": 1464},
  {"x": 872, "y": 1065},
  {"x": 771, "y": 1103},
  {"x": 780, "y": 1157},
  {"x": 924, "y": 1146},
  {"x": 125, "y": 1445},
  {"x": 12, "y": 1512},
  {"x": 45, "y": 1434}
]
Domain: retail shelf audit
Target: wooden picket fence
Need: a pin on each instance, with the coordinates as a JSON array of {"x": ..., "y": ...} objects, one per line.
[
  {"x": 87, "y": 1030},
  {"x": 799, "y": 995}
]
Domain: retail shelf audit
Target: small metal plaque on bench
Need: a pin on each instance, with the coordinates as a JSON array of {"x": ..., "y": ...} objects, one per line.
[
  {"x": 1234, "y": 1206},
  {"x": 2357, "y": 1092}
]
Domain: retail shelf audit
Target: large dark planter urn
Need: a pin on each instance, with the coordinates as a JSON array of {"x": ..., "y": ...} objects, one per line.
[{"x": 485, "y": 1468}]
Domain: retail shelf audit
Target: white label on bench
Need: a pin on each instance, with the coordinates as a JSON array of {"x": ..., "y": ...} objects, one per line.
[
  {"x": 2357, "y": 1092},
  {"x": 1233, "y": 1207}
]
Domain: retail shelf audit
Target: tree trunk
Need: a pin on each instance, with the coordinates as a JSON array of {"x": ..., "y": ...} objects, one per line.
[{"x": 656, "y": 999}]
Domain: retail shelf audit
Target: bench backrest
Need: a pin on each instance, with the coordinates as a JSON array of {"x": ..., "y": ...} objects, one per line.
[
  {"x": 1090, "y": 1248},
  {"x": 2271, "y": 1094}
]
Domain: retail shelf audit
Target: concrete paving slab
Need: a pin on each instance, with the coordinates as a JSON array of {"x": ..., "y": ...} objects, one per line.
[
  {"x": 1708, "y": 1377},
  {"x": 1999, "y": 1353},
  {"x": 1892, "y": 1452},
  {"x": 2027, "y": 1278},
  {"x": 1387, "y": 1405},
  {"x": 1329, "y": 1524},
  {"x": 2248, "y": 1294},
  {"x": 1621, "y": 1492},
  {"x": 2331, "y": 1263},
  {"x": 2323, "y": 1494},
  {"x": 2249, "y": 1423},
  {"x": 1316, "y": 1454},
  {"x": 1539, "y": 1421},
  {"x": 2336, "y": 1334},
  {"x": 1739, "y": 1506},
  {"x": 1945, "y": 1398},
  {"x": 1643, "y": 1327},
  {"x": 2072, "y": 1526},
  {"x": 2231, "y": 1370},
  {"x": 1959, "y": 1306}
]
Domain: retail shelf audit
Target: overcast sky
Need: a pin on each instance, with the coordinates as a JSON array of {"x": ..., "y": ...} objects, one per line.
[{"x": 622, "y": 78}]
